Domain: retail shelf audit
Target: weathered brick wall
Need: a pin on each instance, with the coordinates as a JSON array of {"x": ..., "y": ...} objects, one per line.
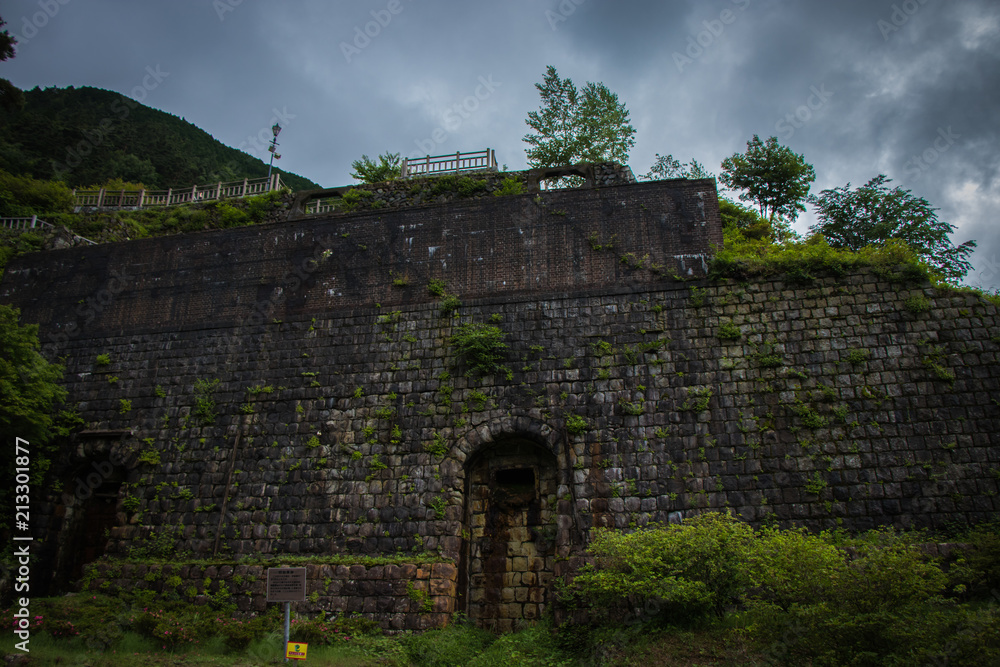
[
  {"x": 409, "y": 596},
  {"x": 352, "y": 429},
  {"x": 479, "y": 248}
]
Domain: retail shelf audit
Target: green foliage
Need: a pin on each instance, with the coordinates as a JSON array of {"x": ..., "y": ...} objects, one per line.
[
  {"x": 772, "y": 176},
  {"x": 450, "y": 303},
  {"x": 666, "y": 167},
  {"x": 917, "y": 303},
  {"x": 367, "y": 170},
  {"x": 124, "y": 406},
  {"x": 138, "y": 144},
  {"x": 816, "y": 484},
  {"x": 438, "y": 446},
  {"x": 28, "y": 382},
  {"x": 23, "y": 196},
  {"x": 511, "y": 185},
  {"x": 572, "y": 126},
  {"x": 438, "y": 504},
  {"x": 457, "y": 644},
  {"x": 576, "y": 425},
  {"x": 32, "y": 402},
  {"x": 873, "y": 214},
  {"x": 150, "y": 456},
  {"x": 767, "y": 356},
  {"x": 744, "y": 257},
  {"x": 690, "y": 569},
  {"x": 130, "y": 504},
  {"x": 481, "y": 346},
  {"x": 204, "y": 401},
  {"x": 934, "y": 360},
  {"x": 858, "y": 356},
  {"x": 810, "y": 418},
  {"x": 729, "y": 331},
  {"x": 697, "y": 400},
  {"x": 436, "y": 287},
  {"x": 748, "y": 221}
]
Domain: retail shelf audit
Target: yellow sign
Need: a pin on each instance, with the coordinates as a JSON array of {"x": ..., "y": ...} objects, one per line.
[{"x": 296, "y": 650}]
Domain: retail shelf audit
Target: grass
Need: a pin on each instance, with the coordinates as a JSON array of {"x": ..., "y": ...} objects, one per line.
[{"x": 459, "y": 644}]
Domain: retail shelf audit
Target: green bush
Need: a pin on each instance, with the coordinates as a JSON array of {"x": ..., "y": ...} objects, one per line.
[
  {"x": 691, "y": 569},
  {"x": 917, "y": 304},
  {"x": 22, "y": 196},
  {"x": 729, "y": 331},
  {"x": 456, "y": 644},
  {"x": 509, "y": 186},
  {"x": 576, "y": 425},
  {"x": 436, "y": 287},
  {"x": 481, "y": 346},
  {"x": 204, "y": 402}
]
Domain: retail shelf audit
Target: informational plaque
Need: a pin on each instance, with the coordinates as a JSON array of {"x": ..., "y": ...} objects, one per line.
[
  {"x": 296, "y": 650},
  {"x": 286, "y": 584}
]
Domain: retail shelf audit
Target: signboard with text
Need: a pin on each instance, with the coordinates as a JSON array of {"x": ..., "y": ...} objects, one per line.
[
  {"x": 296, "y": 650},
  {"x": 286, "y": 584}
]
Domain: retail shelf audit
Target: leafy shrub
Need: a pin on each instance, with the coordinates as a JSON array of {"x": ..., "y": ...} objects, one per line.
[
  {"x": 977, "y": 568},
  {"x": 857, "y": 356},
  {"x": 917, "y": 304},
  {"x": 456, "y": 644},
  {"x": 729, "y": 331},
  {"x": 534, "y": 646},
  {"x": 691, "y": 569},
  {"x": 22, "y": 196},
  {"x": 576, "y": 425},
  {"x": 435, "y": 287},
  {"x": 481, "y": 346},
  {"x": 438, "y": 446},
  {"x": 204, "y": 403},
  {"x": 509, "y": 186},
  {"x": 450, "y": 303},
  {"x": 697, "y": 400}
]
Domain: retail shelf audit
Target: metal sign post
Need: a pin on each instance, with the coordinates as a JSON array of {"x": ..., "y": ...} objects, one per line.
[{"x": 288, "y": 585}]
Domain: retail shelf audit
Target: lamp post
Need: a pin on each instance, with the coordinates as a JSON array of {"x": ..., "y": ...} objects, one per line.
[{"x": 275, "y": 129}]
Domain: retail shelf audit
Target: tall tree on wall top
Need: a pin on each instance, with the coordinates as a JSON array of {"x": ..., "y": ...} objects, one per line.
[
  {"x": 771, "y": 176},
  {"x": 873, "y": 214},
  {"x": 587, "y": 125},
  {"x": 11, "y": 97}
]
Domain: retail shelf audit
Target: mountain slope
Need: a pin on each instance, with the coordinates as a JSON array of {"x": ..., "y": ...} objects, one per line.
[{"x": 86, "y": 136}]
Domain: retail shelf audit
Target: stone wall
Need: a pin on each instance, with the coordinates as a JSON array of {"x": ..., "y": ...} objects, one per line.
[
  {"x": 408, "y": 596},
  {"x": 346, "y": 425},
  {"x": 477, "y": 248}
]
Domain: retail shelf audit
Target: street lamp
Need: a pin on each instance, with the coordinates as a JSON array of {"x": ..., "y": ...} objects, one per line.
[{"x": 275, "y": 129}]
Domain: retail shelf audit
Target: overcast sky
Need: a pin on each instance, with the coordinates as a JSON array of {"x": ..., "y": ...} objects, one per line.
[{"x": 859, "y": 87}]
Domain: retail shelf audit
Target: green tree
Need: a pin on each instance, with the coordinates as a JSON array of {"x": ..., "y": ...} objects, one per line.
[
  {"x": 772, "y": 176},
  {"x": 29, "y": 384},
  {"x": 588, "y": 125},
  {"x": 666, "y": 166},
  {"x": 873, "y": 214},
  {"x": 367, "y": 170},
  {"x": 11, "y": 97}
]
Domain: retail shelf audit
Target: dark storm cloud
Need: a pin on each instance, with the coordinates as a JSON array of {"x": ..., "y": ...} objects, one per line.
[{"x": 902, "y": 87}]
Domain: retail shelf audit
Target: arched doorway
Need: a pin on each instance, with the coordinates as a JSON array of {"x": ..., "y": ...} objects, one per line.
[{"x": 510, "y": 515}]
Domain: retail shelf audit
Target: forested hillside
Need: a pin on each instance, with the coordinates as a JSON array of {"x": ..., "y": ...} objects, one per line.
[{"x": 87, "y": 136}]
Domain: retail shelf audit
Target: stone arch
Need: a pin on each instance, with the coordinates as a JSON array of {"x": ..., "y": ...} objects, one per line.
[
  {"x": 487, "y": 434},
  {"x": 86, "y": 511},
  {"x": 510, "y": 517}
]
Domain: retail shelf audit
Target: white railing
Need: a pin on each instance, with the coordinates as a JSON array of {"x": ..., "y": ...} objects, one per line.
[
  {"x": 141, "y": 198},
  {"x": 453, "y": 163},
  {"x": 322, "y": 205},
  {"x": 24, "y": 223},
  {"x": 562, "y": 183}
]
